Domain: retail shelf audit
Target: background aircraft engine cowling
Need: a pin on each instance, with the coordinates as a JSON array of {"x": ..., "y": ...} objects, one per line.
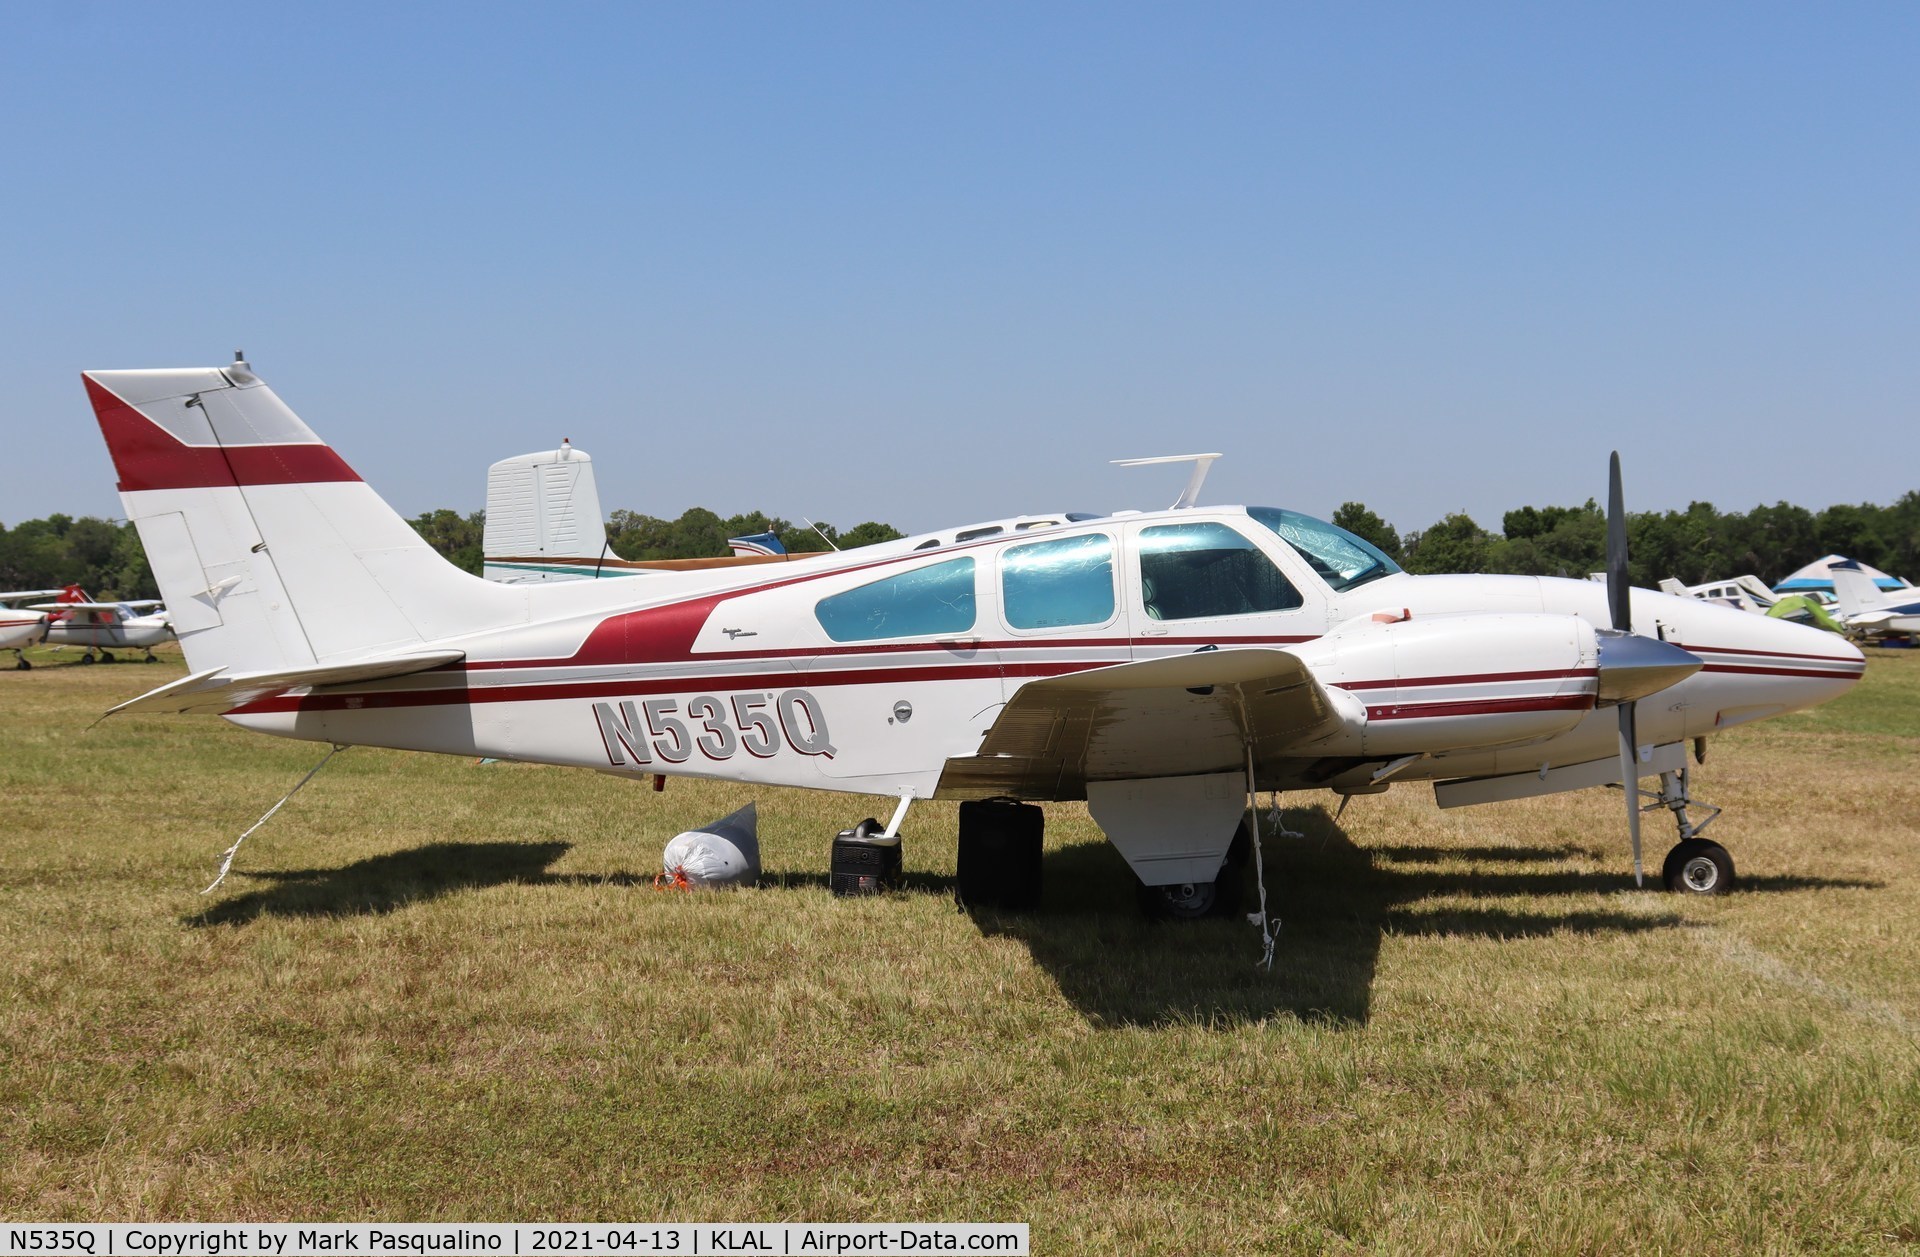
[{"x": 1451, "y": 682}]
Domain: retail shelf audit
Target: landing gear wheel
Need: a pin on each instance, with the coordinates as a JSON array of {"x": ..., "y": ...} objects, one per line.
[
  {"x": 106, "y": 656},
  {"x": 86, "y": 659},
  {"x": 23, "y": 666},
  {"x": 1196, "y": 901},
  {"x": 1187, "y": 901},
  {"x": 1698, "y": 867}
]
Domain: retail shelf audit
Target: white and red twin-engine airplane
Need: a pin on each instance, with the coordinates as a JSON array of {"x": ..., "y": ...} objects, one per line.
[{"x": 1159, "y": 665}]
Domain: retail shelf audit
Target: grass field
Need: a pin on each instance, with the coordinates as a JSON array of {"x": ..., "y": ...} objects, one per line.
[{"x": 437, "y": 990}]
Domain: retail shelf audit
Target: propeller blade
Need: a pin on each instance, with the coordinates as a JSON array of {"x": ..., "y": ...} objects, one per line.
[
  {"x": 1619, "y": 599},
  {"x": 1630, "y": 783}
]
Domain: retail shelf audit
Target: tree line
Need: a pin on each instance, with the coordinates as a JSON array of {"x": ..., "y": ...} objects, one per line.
[
  {"x": 1695, "y": 545},
  {"x": 698, "y": 534}
]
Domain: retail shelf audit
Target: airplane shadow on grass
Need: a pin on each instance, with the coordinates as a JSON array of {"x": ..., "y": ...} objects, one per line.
[
  {"x": 387, "y": 883},
  {"x": 1335, "y": 900}
]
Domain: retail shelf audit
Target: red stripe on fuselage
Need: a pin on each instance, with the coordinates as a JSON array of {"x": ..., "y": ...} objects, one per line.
[
  {"x": 1831, "y": 674},
  {"x": 750, "y": 682},
  {"x": 1548, "y": 675},
  {"x": 147, "y": 456},
  {"x": 1480, "y": 707}
]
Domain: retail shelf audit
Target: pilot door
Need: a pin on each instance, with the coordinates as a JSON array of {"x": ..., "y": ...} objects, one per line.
[{"x": 1210, "y": 582}]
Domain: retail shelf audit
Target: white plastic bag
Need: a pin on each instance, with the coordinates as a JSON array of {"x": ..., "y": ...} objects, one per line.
[{"x": 725, "y": 853}]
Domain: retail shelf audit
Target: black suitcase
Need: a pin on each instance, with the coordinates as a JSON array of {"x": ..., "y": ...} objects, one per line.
[{"x": 999, "y": 855}]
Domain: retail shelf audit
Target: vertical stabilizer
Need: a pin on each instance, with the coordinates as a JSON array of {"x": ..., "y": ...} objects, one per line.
[
  {"x": 543, "y": 518},
  {"x": 270, "y": 551},
  {"x": 1854, "y": 590}
]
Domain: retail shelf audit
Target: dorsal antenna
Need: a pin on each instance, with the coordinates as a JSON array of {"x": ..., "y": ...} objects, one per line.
[{"x": 1202, "y": 464}]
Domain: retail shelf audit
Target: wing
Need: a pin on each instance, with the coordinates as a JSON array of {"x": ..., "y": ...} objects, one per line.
[
  {"x": 1172, "y": 717},
  {"x": 77, "y": 606},
  {"x": 215, "y": 692}
]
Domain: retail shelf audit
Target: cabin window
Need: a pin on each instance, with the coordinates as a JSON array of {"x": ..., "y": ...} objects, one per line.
[
  {"x": 1054, "y": 584},
  {"x": 1337, "y": 556},
  {"x": 1191, "y": 571},
  {"x": 925, "y": 601}
]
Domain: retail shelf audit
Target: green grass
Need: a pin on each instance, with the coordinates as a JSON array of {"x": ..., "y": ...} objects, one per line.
[{"x": 432, "y": 989}]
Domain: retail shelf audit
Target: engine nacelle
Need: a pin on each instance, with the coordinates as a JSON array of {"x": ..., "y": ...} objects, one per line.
[{"x": 1450, "y": 682}]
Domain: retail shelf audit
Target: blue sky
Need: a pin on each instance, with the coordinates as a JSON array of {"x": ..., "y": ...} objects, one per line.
[{"x": 930, "y": 264}]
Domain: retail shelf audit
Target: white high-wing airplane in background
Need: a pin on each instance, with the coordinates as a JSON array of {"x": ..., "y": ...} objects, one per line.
[
  {"x": 1871, "y": 610},
  {"x": 20, "y": 627},
  {"x": 1746, "y": 593},
  {"x": 76, "y": 620},
  {"x": 1162, "y": 666}
]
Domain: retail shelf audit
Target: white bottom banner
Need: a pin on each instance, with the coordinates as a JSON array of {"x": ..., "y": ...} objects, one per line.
[{"x": 508, "y": 1239}]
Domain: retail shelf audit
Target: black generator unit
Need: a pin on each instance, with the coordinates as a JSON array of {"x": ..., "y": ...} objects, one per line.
[
  {"x": 999, "y": 865},
  {"x": 865, "y": 860}
]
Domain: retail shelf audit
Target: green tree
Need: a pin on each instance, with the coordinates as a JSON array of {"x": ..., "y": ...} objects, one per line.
[
  {"x": 1367, "y": 526},
  {"x": 457, "y": 537},
  {"x": 1455, "y": 544},
  {"x": 871, "y": 533}
]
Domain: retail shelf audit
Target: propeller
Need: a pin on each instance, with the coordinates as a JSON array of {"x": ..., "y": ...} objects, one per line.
[{"x": 1620, "y": 610}]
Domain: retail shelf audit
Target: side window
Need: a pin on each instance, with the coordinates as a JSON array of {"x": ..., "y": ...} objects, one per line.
[
  {"x": 1188, "y": 571},
  {"x": 937, "y": 599},
  {"x": 1052, "y": 584}
]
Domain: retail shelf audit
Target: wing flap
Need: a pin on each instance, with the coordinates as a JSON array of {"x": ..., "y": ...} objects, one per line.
[
  {"x": 215, "y": 692},
  {"x": 1170, "y": 717}
]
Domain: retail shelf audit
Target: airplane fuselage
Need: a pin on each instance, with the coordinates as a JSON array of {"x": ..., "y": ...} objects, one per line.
[{"x": 881, "y": 671}]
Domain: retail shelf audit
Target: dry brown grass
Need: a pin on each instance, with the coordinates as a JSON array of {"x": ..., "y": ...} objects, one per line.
[{"x": 438, "y": 990}]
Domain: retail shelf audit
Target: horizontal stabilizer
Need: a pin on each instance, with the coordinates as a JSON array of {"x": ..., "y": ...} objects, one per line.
[{"x": 214, "y": 692}]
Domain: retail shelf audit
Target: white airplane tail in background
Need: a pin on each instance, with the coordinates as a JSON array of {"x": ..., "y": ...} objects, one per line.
[
  {"x": 271, "y": 552},
  {"x": 1854, "y": 590},
  {"x": 543, "y": 518}
]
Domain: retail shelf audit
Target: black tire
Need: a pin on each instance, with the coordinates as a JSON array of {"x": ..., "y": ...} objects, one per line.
[
  {"x": 23, "y": 666},
  {"x": 1186, "y": 901},
  {"x": 1196, "y": 901},
  {"x": 106, "y": 656},
  {"x": 87, "y": 659},
  {"x": 1698, "y": 867}
]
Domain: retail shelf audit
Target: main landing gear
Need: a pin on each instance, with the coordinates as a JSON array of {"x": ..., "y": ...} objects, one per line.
[
  {"x": 20, "y": 662},
  {"x": 1196, "y": 901},
  {"x": 1695, "y": 866}
]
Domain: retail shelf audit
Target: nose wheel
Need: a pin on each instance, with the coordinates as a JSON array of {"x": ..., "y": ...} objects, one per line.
[{"x": 1696, "y": 865}]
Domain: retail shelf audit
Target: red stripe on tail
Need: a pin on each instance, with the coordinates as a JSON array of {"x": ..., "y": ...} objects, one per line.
[{"x": 147, "y": 456}]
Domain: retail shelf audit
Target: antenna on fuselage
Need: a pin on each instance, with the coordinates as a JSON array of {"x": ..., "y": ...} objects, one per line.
[
  {"x": 1202, "y": 464},
  {"x": 821, "y": 531}
]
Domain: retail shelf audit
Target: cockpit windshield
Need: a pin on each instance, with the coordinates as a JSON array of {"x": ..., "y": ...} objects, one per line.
[{"x": 1341, "y": 559}]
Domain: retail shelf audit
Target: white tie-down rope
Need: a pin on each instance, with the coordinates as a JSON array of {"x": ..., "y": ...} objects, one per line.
[
  {"x": 226, "y": 861},
  {"x": 1269, "y": 928},
  {"x": 1275, "y": 816}
]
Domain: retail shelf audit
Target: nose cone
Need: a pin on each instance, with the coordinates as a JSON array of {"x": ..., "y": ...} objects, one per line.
[
  {"x": 1757, "y": 666},
  {"x": 1632, "y": 666}
]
